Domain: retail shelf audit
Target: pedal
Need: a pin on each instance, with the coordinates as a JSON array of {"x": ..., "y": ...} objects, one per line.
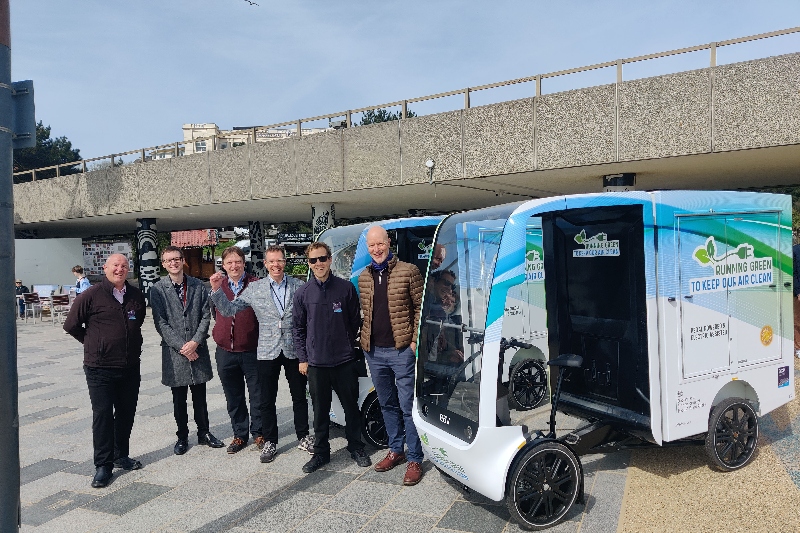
[{"x": 572, "y": 439}]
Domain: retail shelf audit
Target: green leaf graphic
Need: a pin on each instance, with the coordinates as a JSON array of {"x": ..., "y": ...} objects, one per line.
[
  {"x": 702, "y": 256},
  {"x": 580, "y": 237}
]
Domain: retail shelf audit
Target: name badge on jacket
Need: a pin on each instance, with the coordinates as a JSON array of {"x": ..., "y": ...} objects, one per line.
[
  {"x": 131, "y": 314},
  {"x": 337, "y": 307}
]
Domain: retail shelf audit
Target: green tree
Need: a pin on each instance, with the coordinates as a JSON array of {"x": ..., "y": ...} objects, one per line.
[
  {"x": 47, "y": 152},
  {"x": 373, "y": 116}
]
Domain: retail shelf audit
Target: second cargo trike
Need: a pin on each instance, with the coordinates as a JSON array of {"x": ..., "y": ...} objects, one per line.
[{"x": 665, "y": 318}]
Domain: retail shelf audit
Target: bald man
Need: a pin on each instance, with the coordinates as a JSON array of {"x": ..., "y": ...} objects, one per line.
[
  {"x": 107, "y": 319},
  {"x": 391, "y": 295}
]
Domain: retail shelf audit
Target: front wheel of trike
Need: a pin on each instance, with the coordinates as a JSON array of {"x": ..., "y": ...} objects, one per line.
[
  {"x": 543, "y": 485},
  {"x": 732, "y": 434}
]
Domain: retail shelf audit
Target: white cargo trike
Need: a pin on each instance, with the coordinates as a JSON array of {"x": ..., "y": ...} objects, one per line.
[{"x": 665, "y": 316}]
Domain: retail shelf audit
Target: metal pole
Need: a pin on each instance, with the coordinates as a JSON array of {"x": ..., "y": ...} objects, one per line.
[{"x": 9, "y": 411}]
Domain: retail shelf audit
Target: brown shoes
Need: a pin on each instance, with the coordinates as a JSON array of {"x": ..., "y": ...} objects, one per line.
[
  {"x": 259, "y": 442},
  {"x": 390, "y": 461},
  {"x": 413, "y": 474},
  {"x": 236, "y": 445}
]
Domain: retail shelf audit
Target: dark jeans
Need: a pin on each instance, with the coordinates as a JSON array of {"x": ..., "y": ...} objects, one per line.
[
  {"x": 114, "y": 393},
  {"x": 343, "y": 380},
  {"x": 392, "y": 374},
  {"x": 235, "y": 369},
  {"x": 179, "y": 395},
  {"x": 268, "y": 374}
]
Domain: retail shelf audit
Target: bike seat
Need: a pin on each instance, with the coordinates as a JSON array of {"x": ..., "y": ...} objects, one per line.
[{"x": 568, "y": 360}]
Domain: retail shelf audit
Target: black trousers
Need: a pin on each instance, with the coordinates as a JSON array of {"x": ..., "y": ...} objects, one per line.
[
  {"x": 179, "y": 395},
  {"x": 343, "y": 380},
  {"x": 268, "y": 374},
  {"x": 114, "y": 393},
  {"x": 235, "y": 369}
]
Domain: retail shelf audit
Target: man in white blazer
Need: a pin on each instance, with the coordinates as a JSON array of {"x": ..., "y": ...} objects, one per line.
[{"x": 271, "y": 300}]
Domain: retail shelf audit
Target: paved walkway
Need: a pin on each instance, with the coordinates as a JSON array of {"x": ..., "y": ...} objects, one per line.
[{"x": 209, "y": 490}]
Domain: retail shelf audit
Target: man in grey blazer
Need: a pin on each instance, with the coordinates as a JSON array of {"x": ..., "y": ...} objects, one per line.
[
  {"x": 182, "y": 315},
  {"x": 271, "y": 300}
]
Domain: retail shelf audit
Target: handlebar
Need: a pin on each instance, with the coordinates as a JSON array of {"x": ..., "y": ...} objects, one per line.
[{"x": 514, "y": 343}]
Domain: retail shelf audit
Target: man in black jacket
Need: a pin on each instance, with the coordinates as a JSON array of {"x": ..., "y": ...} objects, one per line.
[
  {"x": 107, "y": 319},
  {"x": 327, "y": 317}
]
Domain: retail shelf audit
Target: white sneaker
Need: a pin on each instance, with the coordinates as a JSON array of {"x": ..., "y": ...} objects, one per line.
[
  {"x": 306, "y": 444},
  {"x": 268, "y": 452}
]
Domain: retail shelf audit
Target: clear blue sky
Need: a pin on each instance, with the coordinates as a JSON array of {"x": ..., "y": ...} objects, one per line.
[{"x": 115, "y": 76}]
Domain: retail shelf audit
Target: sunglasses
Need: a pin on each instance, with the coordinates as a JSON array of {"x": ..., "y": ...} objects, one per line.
[{"x": 322, "y": 258}]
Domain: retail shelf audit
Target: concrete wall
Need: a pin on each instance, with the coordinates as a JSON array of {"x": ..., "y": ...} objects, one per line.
[
  {"x": 731, "y": 107},
  {"x": 47, "y": 261}
]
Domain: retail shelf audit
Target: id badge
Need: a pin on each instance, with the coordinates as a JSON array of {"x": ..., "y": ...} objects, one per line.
[{"x": 131, "y": 315}]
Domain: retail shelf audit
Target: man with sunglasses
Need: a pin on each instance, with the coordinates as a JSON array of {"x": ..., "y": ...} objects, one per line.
[
  {"x": 272, "y": 301},
  {"x": 327, "y": 318}
]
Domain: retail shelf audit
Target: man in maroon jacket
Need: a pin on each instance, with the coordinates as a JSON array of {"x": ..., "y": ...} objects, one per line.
[
  {"x": 107, "y": 319},
  {"x": 237, "y": 340}
]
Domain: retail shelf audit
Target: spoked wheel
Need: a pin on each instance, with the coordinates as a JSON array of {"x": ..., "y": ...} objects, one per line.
[
  {"x": 372, "y": 424},
  {"x": 543, "y": 486},
  {"x": 732, "y": 434},
  {"x": 527, "y": 384}
]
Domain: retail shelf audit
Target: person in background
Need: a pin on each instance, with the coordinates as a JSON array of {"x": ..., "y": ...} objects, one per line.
[
  {"x": 107, "y": 320},
  {"x": 237, "y": 344},
  {"x": 83, "y": 282},
  {"x": 19, "y": 290},
  {"x": 182, "y": 315}
]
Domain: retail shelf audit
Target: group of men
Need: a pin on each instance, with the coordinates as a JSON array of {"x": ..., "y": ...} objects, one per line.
[{"x": 310, "y": 330}]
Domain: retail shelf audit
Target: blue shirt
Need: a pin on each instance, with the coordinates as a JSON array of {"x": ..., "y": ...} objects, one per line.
[
  {"x": 236, "y": 287},
  {"x": 82, "y": 285}
]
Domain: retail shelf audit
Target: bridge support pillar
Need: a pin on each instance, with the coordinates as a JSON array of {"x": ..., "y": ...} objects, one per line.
[
  {"x": 147, "y": 247},
  {"x": 257, "y": 249},
  {"x": 322, "y": 217}
]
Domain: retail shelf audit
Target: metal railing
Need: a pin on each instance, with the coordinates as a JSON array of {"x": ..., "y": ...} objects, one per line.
[{"x": 251, "y": 136}]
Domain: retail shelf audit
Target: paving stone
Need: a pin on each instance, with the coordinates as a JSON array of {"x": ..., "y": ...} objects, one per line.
[
  {"x": 151, "y": 517},
  {"x": 42, "y": 469},
  {"x": 323, "y": 482},
  {"x": 264, "y": 484},
  {"x": 429, "y": 497},
  {"x": 74, "y": 521},
  {"x": 74, "y": 427},
  {"x": 466, "y": 516},
  {"x": 127, "y": 498},
  {"x": 602, "y": 512},
  {"x": 51, "y": 507},
  {"x": 44, "y": 414},
  {"x": 159, "y": 410},
  {"x": 23, "y": 377},
  {"x": 283, "y": 512},
  {"x": 333, "y": 522},
  {"x": 362, "y": 497},
  {"x": 39, "y": 364},
  {"x": 392, "y": 522},
  {"x": 32, "y": 386}
]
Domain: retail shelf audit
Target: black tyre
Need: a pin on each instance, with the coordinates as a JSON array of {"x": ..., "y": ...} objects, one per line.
[
  {"x": 543, "y": 485},
  {"x": 527, "y": 385},
  {"x": 732, "y": 434},
  {"x": 372, "y": 425}
]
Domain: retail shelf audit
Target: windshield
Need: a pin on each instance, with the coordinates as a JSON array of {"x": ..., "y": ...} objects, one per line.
[
  {"x": 453, "y": 319},
  {"x": 343, "y": 242}
]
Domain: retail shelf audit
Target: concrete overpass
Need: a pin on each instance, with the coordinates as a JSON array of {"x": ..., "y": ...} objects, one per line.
[{"x": 728, "y": 126}]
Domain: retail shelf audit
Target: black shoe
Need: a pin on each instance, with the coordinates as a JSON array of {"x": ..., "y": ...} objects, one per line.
[
  {"x": 361, "y": 458},
  {"x": 181, "y": 446},
  {"x": 102, "y": 476},
  {"x": 210, "y": 440},
  {"x": 126, "y": 463},
  {"x": 316, "y": 462}
]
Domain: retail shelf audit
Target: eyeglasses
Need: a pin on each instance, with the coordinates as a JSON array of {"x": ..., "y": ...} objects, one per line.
[
  {"x": 322, "y": 258},
  {"x": 278, "y": 262},
  {"x": 173, "y": 260},
  {"x": 447, "y": 283}
]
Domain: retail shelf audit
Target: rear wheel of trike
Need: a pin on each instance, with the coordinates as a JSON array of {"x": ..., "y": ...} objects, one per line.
[
  {"x": 732, "y": 434},
  {"x": 372, "y": 424},
  {"x": 543, "y": 485},
  {"x": 527, "y": 384}
]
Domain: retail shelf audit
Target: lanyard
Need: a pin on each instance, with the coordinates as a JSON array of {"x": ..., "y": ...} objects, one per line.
[{"x": 277, "y": 299}]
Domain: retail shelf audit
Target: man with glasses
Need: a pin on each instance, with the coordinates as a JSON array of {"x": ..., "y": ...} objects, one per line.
[
  {"x": 19, "y": 290},
  {"x": 182, "y": 315},
  {"x": 391, "y": 296},
  {"x": 272, "y": 300},
  {"x": 237, "y": 342},
  {"x": 327, "y": 318}
]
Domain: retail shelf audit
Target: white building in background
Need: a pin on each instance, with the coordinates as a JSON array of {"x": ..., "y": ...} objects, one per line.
[{"x": 238, "y": 136}]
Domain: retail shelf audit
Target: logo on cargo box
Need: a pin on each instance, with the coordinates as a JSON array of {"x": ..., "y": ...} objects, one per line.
[
  {"x": 766, "y": 335},
  {"x": 783, "y": 376},
  {"x": 734, "y": 269},
  {"x": 595, "y": 246}
]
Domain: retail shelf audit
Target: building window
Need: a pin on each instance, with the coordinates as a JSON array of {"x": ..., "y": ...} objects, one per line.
[{"x": 200, "y": 146}]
